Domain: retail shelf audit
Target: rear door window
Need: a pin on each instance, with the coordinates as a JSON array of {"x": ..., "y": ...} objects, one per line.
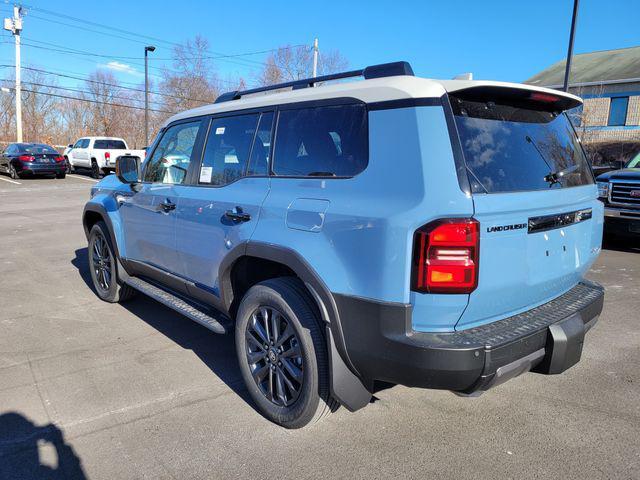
[
  {"x": 508, "y": 148},
  {"x": 227, "y": 150},
  {"x": 321, "y": 142}
]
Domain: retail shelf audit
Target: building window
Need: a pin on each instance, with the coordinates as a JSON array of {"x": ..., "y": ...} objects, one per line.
[{"x": 618, "y": 111}]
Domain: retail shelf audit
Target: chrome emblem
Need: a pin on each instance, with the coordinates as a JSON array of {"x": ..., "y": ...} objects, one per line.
[{"x": 634, "y": 193}]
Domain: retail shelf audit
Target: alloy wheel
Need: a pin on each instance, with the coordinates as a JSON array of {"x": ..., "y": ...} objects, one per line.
[
  {"x": 101, "y": 262},
  {"x": 12, "y": 172},
  {"x": 274, "y": 356}
]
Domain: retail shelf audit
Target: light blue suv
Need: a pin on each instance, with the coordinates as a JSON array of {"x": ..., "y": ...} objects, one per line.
[{"x": 389, "y": 230}]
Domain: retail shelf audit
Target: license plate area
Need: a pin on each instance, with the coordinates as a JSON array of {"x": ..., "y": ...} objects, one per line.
[{"x": 563, "y": 347}]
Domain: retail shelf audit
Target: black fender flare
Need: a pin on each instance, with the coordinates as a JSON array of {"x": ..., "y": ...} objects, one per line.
[{"x": 346, "y": 384}]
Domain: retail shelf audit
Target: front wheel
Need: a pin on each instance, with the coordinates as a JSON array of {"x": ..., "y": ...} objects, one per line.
[
  {"x": 282, "y": 353},
  {"x": 13, "y": 173},
  {"x": 103, "y": 267}
]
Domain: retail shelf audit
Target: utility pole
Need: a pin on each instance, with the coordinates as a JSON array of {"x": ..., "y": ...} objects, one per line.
[
  {"x": 14, "y": 25},
  {"x": 315, "y": 58},
  {"x": 147, "y": 49},
  {"x": 574, "y": 19}
]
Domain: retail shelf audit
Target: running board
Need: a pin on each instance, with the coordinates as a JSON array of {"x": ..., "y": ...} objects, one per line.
[{"x": 181, "y": 306}]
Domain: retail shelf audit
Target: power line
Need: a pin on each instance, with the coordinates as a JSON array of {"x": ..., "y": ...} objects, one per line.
[
  {"x": 93, "y": 101},
  {"x": 110, "y": 84},
  {"x": 89, "y": 92}
]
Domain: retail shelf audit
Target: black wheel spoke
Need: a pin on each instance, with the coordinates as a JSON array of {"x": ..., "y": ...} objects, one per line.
[
  {"x": 292, "y": 352},
  {"x": 259, "y": 329},
  {"x": 253, "y": 341},
  {"x": 260, "y": 373},
  {"x": 280, "y": 387},
  {"x": 292, "y": 369},
  {"x": 286, "y": 335},
  {"x": 255, "y": 357}
]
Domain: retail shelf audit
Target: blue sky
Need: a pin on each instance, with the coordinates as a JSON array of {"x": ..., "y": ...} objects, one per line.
[{"x": 495, "y": 39}]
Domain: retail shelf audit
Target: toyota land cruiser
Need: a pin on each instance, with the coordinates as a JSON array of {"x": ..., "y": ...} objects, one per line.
[{"x": 394, "y": 229}]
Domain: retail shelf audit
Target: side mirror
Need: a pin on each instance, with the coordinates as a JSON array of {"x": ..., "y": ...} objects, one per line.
[
  {"x": 128, "y": 168},
  {"x": 617, "y": 164},
  {"x": 70, "y": 145}
]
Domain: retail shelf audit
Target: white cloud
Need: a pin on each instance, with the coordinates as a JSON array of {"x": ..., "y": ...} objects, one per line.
[{"x": 121, "y": 67}]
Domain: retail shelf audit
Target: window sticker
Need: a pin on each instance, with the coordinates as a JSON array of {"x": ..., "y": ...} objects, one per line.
[
  {"x": 231, "y": 158},
  {"x": 205, "y": 174},
  {"x": 220, "y": 131}
]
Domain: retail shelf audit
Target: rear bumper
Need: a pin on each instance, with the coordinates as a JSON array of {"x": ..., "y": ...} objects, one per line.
[
  {"x": 42, "y": 168},
  {"x": 547, "y": 339}
]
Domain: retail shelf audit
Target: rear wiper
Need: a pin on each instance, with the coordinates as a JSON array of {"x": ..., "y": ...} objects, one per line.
[{"x": 553, "y": 177}]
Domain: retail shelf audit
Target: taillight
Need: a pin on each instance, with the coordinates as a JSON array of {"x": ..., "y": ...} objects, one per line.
[
  {"x": 445, "y": 256},
  {"x": 26, "y": 158},
  {"x": 107, "y": 156},
  {"x": 59, "y": 158}
]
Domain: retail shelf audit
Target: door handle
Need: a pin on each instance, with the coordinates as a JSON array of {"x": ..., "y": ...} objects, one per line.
[
  {"x": 167, "y": 206},
  {"x": 237, "y": 215}
]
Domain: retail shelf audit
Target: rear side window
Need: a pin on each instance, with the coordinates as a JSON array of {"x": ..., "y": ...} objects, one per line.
[
  {"x": 228, "y": 147},
  {"x": 110, "y": 144},
  {"x": 508, "y": 148},
  {"x": 321, "y": 142}
]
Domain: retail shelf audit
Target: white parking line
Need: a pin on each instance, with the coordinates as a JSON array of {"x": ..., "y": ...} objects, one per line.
[
  {"x": 82, "y": 178},
  {"x": 10, "y": 181}
]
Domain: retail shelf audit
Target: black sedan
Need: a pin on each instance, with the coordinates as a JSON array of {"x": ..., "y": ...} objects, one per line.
[{"x": 21, "y": 159}]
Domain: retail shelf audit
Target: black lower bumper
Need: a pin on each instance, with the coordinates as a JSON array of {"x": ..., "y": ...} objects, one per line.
[
  {"x": 547, "y": 339},
  {"x": 42, "y": 169},
  {"x": 622, "y": 225}
]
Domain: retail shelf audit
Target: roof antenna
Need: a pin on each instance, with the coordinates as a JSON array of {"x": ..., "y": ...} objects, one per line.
[{"x": 464, "y": 76}]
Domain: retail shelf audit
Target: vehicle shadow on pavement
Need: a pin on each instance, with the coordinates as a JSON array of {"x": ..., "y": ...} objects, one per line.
[
  {"x": 21, "y": 445},
  {"x": 217, "y": 352}
]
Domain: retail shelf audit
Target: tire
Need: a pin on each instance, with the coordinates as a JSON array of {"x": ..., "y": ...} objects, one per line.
[
  {"x": 302, "y": 353},
  {"x": 103, "y": 267},
  {"x": 12, "y": 172},
  {"x": 95, "y": 170},
  {"x": 69, "y": 168},
  {"x": 61, "y": 175}
]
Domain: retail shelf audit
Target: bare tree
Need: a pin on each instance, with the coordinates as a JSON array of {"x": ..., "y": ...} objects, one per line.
[
  {"x": 289, "y": 63},
  {"x": 192, "y": 82}
]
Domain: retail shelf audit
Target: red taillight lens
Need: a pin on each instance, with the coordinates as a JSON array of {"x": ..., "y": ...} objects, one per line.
[
  {"x": 26, "y": 158},
  {"x": 59, "y": 158},
  {"x": 445, "y": 256},
  {"x": 107, "y": 155}
]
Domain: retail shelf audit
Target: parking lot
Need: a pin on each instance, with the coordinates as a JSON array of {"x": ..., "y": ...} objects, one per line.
[{"x": 89, "y": 389}]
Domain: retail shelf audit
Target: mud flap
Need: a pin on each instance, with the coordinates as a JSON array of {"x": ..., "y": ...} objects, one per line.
[{"x": 564, "y": 346}]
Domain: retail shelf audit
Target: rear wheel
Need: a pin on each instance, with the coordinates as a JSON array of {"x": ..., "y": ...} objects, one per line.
[
  {"x": 103, "y": 267},
  {"x": 95, "y": 170},
  {"x": 282, "y": 353}
]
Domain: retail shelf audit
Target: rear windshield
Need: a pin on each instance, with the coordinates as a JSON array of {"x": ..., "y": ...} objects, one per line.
[
  {"x": 508, "y": 148},
  {"x": 38, "y": 149},
  {"x": 110, "y": 144}
]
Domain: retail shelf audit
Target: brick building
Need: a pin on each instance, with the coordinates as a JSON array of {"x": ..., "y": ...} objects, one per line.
[{"x": 609, "y": 83}]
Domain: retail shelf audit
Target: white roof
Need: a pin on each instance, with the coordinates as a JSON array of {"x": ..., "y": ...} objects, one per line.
[{"x": 400, "y": 87}]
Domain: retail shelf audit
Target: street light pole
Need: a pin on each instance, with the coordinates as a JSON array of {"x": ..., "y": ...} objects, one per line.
[
  {"x": 570, "y": 51},
  {"x": 146, "y": 93}
]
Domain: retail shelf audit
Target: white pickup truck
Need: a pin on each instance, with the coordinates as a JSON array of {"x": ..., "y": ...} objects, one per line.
[{"x": 98, "y": 154}]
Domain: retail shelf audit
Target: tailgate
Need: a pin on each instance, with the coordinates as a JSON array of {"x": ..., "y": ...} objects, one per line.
[{"x": 534, "y": 246}]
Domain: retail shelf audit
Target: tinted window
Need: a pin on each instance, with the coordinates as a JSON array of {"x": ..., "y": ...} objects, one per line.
[
  {"x": 259, "y": 162},
  {"x": 508, "y": 148},
  {"x": 78, "y": 144},
  {"x": 323, "y": 141},
  {"x": 170, "y": 160},
  {"x": 83, "y": 143},
  {"x": 110, "y": 144},
  {"x": 10, "y": 149},
  {"x": 227, "y": 150},
  {"x": 618, "y": 111},
  {"x": 39, "y": 149}
]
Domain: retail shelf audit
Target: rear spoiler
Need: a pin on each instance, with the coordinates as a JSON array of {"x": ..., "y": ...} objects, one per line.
[{"x": 519, "y": 95}]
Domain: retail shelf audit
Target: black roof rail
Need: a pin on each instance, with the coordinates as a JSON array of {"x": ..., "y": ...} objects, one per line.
[{"x": 373, "y": 71}]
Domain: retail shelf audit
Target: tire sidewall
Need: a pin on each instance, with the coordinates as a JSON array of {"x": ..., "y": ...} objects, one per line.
[
  {"x": 306, "y": 405},
  {"x": 110, "y": 295},
  {"x": 12, "y": 172}
]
